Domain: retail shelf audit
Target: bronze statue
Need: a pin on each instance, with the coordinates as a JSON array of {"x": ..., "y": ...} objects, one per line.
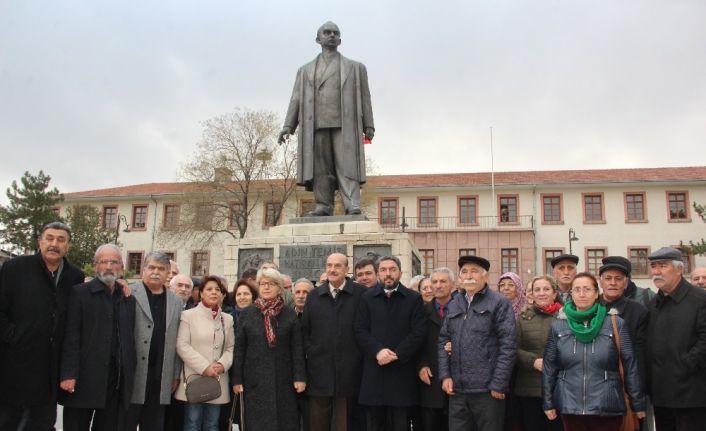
[{"x": 331, "y": 105}]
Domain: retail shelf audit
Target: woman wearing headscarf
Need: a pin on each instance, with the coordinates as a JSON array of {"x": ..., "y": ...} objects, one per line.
[
  {"x": 533, "y": 327},
  {"x": 205, "y": 345},
  {"x": 269, "y": 365},
  {"x": 580, "y": 379},
  {"x": 510, "y": 285}
]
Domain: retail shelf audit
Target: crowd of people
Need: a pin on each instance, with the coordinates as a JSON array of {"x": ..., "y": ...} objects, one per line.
[{"x": 570, "y": 350}]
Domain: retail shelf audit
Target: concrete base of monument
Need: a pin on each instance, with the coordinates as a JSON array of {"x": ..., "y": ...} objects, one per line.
[
  {"x": 300, "y": 249},
  {"x": 328, "y": 219}
]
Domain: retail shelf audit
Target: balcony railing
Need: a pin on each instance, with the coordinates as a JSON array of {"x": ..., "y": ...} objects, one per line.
[{"x": 416, "y": 224}]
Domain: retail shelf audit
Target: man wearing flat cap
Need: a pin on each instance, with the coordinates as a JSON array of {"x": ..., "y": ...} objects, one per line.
[
  {"x": 642, "y": 295},
  {"x": 564, "y": 271},
  {"x": 614, "y": 276},
  {"x": 476, "y": 373},
  {"x": 676, "y": 345}
]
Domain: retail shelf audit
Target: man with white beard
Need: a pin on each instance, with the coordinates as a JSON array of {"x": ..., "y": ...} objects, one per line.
[{"x": 98, "y": 356}]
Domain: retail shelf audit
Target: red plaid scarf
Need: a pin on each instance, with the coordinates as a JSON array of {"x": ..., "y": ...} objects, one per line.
[{"x": 270, "y": 310}]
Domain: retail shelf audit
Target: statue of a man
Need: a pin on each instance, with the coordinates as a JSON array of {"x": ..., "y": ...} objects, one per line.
[{"x": 331, "y": 105}]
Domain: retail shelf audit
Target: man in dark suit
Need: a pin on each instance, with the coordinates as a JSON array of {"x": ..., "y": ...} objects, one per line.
[
  {"x": 34, "y": 292},
  {"x": 390, "y": 326},
  {"x": 676, "y": 345},
  {"x": 432, "y": 399},
  {"x": 331, "y": 106},
  {"x": 333, "y": 357},
  {"x": 98, "y": 357}
]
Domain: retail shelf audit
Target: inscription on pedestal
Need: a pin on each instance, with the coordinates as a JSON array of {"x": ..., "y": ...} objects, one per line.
[
  {"x": 308, "y": 261},
  {"x": 253, "y": 258},
  {"x": 370, "y": 251}
]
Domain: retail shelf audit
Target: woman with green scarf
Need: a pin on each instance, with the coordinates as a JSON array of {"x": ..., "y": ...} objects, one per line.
[{"x": 580, "y": 379}]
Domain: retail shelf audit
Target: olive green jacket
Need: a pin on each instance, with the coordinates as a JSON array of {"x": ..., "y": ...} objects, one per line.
[{"x": 533, "y": 328}]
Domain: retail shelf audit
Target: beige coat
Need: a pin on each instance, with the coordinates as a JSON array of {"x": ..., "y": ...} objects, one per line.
[{"x": 198, "y": 347}]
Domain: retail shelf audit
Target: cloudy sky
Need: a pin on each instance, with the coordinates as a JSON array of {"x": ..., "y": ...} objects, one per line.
[{"x": 103, "y": 93}]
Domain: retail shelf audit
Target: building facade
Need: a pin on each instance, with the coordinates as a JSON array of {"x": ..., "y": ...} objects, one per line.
[{"x": 518, "y": 220}]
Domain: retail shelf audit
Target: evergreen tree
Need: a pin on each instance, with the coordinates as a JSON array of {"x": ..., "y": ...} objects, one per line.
[
  {"x": 87, "y": 235},
  {"x": 30, "y": 208}
]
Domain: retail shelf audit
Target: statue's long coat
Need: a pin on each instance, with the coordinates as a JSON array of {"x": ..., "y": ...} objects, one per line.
[{"x": 356, "y": 115}]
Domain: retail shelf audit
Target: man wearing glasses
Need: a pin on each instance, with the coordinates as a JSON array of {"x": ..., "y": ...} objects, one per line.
[{"x": 98, "y": 358}]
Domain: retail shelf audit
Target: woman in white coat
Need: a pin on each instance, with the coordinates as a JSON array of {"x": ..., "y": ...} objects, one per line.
[{"x": 205, "y": 345}]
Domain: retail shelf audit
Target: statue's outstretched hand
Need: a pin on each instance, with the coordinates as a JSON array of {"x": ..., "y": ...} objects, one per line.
[
  {"x": 283, "y": 135},
  {"x": 369, "y": 132}
]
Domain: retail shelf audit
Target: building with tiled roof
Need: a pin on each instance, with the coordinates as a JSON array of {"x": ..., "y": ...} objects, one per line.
[{"x": 518, "y": 220}]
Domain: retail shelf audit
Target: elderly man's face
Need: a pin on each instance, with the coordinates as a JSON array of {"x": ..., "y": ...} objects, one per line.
[
  {"x": 564, "y": 272},
  {"x": 301, "y": 291},
  {"x": 665, "y": 275},
  {"x": 441, "y": 285},
  {"x": 472, "y": 278},
  {"x": 53, "y": 245},
  {"x": 173, "y": 270},
  {"x": 613, "y": 282},
  {"x": 108, "y": 265},
  {"x": 698, "y": 277},
  {"x": 182, "y": 287},
  {"x": 154, "y": 274},
  {"x": 336, "y": 269}
]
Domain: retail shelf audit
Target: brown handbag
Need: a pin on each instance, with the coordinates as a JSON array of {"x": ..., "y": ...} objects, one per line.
[
  {"x": 630, "y": 420},
  {"x": 204, "y": 388}
]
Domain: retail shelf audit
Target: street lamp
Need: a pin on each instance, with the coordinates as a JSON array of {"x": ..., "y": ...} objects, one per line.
[
  {"x": 121, "y": 219},
  {"x": 572, "y": 238}
]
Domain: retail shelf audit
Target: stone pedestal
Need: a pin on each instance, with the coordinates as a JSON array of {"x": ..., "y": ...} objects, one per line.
[{"x": 301, "y": 247}]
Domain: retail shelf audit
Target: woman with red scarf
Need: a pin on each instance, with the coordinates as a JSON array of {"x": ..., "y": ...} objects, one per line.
[
  {"x": 269, "y": 367},
  {"x": 205, "y": 344},
  {"x": 533, "y": 325}
]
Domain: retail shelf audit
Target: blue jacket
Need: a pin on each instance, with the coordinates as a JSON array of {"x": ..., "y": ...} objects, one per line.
[
  {"x": 583, "y": 379},
  {"x": 484, "y": 343}
]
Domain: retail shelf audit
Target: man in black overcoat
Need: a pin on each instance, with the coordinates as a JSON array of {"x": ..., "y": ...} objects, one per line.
[
  {"x": 98, "y": 358},
  {"x": 432, "y": 399},
  {"x": 332, "y": 354},
  {"x": 676, "y": 345},
  {"x": 390, "y": 326},
  {"x": 33, "y": 296}
]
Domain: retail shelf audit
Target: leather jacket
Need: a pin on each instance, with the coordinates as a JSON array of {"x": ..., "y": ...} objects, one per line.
[{"x": 583, "y": 379}]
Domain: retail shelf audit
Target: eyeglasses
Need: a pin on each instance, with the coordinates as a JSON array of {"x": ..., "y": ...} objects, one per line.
[
  {"x": 582, "y": 290},
  {"x": 267, "y": 283}
]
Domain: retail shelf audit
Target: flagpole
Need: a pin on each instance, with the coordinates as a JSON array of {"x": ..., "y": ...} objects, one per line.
[{"x": 492, "y": 174}]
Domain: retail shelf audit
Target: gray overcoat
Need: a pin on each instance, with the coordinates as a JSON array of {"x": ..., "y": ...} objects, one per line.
[
  {"x": 171, "y": 366},
  {"x": 356, "y": 115}
]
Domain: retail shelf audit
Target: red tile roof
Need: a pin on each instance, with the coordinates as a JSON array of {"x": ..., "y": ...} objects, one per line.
[{"x": 687, "y": 174}]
